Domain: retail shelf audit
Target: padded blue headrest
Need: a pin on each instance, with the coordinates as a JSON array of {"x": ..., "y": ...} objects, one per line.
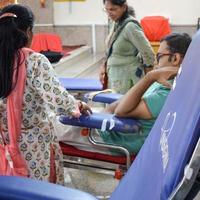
[{"x": 18, "y": 188}]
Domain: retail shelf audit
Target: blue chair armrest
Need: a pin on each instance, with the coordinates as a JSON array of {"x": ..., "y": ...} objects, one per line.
[
  {"x": 103, "y": 97},
  {"x": 81, "y": 84},
  {"x": 95, "y": 120}
]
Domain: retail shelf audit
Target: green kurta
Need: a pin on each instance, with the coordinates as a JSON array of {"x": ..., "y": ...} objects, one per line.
[{"x": 124, "y": 60}]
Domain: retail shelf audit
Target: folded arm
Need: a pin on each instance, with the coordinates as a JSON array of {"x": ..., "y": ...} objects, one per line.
[{"x": 132, "y": 104}]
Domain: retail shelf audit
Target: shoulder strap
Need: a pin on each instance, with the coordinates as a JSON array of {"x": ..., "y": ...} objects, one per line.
[
  {"x": 118, "y": 31},
  {"x": 15, "y": 99}
]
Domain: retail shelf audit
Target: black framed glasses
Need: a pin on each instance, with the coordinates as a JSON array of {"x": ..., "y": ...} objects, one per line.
[{"x": 160, "y": 55}]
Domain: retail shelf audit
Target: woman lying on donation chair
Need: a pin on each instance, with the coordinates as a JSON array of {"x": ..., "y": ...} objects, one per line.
[{"x": 39, "y": 94}]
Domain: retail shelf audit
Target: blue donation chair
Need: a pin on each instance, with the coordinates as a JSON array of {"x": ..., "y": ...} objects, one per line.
[
  {"x": 163, "y": 169},
  {"x": 76, "y": 158}
]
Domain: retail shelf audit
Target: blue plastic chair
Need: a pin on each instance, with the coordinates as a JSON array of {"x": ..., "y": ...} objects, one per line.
[{"x": 160, "y": 165}]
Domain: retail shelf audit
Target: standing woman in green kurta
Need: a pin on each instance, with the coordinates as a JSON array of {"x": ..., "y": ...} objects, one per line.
[{"x": 128, "y": 50}]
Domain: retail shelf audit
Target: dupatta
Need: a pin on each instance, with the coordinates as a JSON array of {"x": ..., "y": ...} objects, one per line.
[{"x": 12, "y": 162}]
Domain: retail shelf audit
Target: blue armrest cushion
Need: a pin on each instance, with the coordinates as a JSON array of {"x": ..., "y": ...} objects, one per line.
[
  {"x": 95, "y": 120},
  {"x": 103, "y": 97}
]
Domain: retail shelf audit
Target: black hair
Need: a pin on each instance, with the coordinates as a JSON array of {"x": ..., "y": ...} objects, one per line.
[
  {"x": 177, "y": 42},
  {"x": 12, "y": 38},
  {"x": 116, "y": 2},
  {"x": 120, "y": 3},
  {"x": 131, "y": 11}
]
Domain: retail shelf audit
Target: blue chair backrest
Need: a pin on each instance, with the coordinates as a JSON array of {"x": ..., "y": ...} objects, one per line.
[
  {"x": 160, "y": 164},
  {"x": 18, "y": 188}
]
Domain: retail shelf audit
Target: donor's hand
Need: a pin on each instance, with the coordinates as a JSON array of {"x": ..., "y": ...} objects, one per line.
[{"x": 162, "y": 75}]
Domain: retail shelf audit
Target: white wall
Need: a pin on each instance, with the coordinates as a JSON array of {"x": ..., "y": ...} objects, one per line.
[
  {"x": 180, "y": 12},
  {"x": 88, "y": 12}
]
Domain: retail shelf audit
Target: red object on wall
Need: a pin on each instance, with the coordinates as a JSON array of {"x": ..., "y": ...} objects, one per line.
[{"x": 155, "y": 27}]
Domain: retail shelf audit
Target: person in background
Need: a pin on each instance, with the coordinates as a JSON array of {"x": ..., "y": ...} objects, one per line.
[
  {"x": 145, "y": 99},
  {"x": 42, "y": 95},
  {"x": 128, "y": 50}
]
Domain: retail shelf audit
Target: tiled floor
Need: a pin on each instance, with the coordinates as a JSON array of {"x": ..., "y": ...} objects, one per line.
[{"x": 99, "y": 185}]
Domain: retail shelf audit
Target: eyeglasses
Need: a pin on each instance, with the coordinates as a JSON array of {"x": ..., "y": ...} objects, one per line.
[{"x": 160, "y": 55}]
